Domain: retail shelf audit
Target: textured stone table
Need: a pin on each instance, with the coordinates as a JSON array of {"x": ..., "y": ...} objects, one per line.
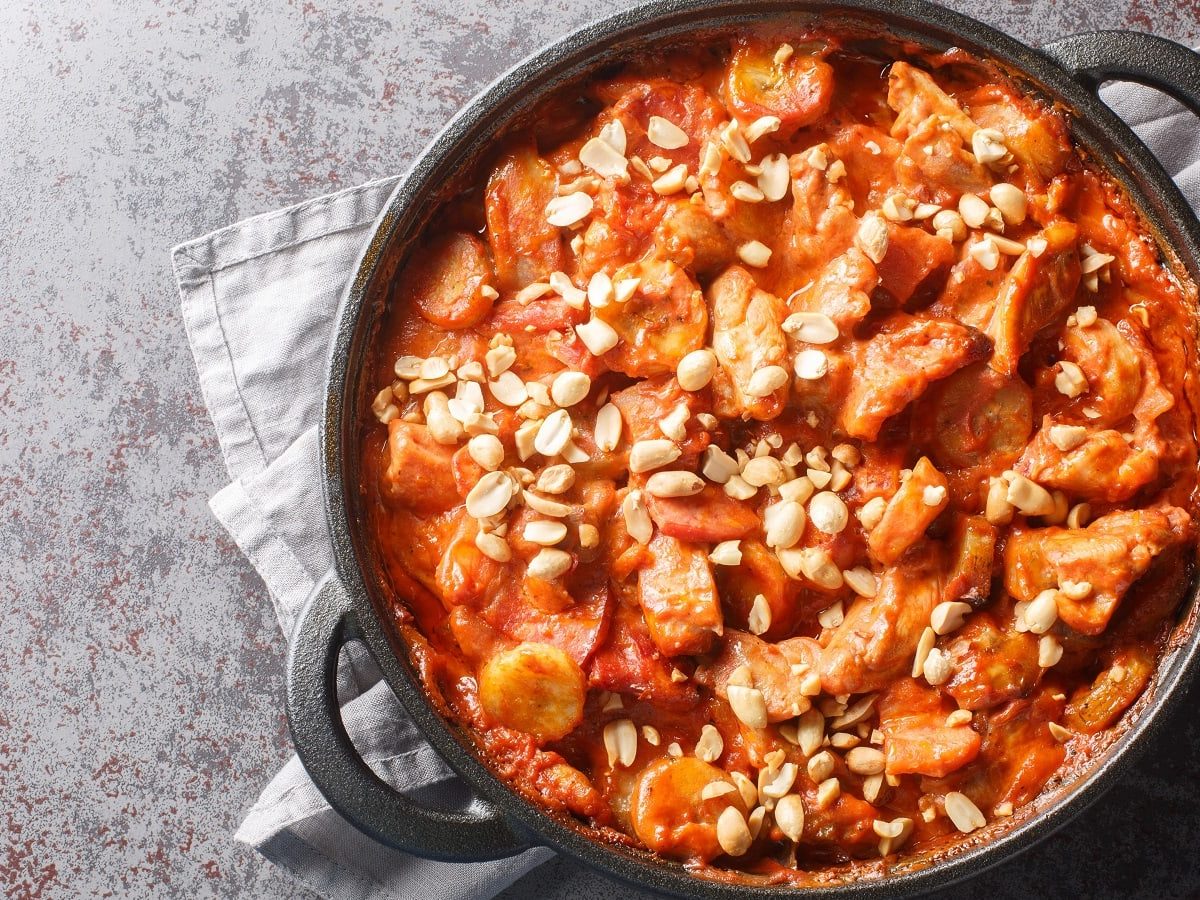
[{"x": 140, "y": 709}]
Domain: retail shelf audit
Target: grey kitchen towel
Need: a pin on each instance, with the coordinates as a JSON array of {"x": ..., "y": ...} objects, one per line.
[{"x": 259, "y": 299}]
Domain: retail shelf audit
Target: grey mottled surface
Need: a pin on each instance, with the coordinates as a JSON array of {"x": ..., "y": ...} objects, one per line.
[{"x": 140, "y": 703}]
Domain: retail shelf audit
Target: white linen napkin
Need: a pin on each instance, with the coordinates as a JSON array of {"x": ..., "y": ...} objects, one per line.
[{"x": 259, "y": 299}]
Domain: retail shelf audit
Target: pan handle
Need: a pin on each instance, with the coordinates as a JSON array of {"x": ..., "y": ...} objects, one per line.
[
  {"x": 1098, "y": 56},
  {"x": 357, "y": 793}
]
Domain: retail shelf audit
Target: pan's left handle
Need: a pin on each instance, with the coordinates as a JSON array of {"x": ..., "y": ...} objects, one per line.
[
  {"x": 1098, "y": 56},
  {"x": 356, "y": 792}
]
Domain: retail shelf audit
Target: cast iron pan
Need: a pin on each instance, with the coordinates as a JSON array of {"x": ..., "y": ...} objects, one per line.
[{"x": 344, "y": 609}]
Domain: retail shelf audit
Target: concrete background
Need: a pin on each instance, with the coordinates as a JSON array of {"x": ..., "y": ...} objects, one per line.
[{"x": 141, "y": 693}]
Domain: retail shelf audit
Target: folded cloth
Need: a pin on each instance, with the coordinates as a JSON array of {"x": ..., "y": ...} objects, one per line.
[{"x": 259, "y": 299}]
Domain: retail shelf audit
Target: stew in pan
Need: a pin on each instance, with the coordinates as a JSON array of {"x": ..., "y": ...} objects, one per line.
[{"x": 784, "y": 454}]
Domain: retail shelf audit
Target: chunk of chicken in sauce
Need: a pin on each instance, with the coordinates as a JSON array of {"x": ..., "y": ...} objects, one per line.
[
  {"x": 746, "y": 337},
  {"x": 916, "y": 738},
  {"x": 876, "y": 641},
  {"x": 921, "y": 498},
  {"x": 936, "y": 161},
  {"x": 1109, "y": 555},
  {"x": 896, "y": 366},
  {"x": 1037, "y": 291},
  {"x": 664, "y": 320},
  {"x": 678, "y": 597},
  {"x": 751, "y": 662},
  {"x": 1103, "y": 466},
  {"x": 525, "y": 247}
]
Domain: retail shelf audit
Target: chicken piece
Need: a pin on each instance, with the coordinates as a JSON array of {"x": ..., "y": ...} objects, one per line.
[
  {"x": 993, "y": 663},
  {"x": 841, "y": 290},
  {"x": 872, "y": 178},
  {"x": 525, "y": 247},
  {"x": 670, "y": 816},
  {"x": 1097, "y": 706},
  {"x": 913, "y": 254},
  {"x": 644, "y": 404},
  {"x": 875, "y": 643},
  {"x": 562, "y": 786},
  {"x": 628, "y": 662},
  {"x": 420, "y": 471},
  {"x": 1019, "y": 754},
  {"x": 678, "y": 598},
  {"x": 821, "y": 224},
  {"x": 477, "y": 640},
  {"x": 1110, "y": 365},
  {"x": 622, "y": 227},
  {"x": 844, "y": 827},
  {"x": 1035, "y": 136},
  {"x": 747, "y": 337},
  {"x": 770, "y": 671},
  {"x": 1036, "y": 292},
  {"x": 920, "y": 499},
  {"x": 895, "y": 367},
  {"x": 664, "y": 320},
  {"x": 976, "y": 421},
  {"x": 916, "y": 97},
  {"x": 464, "y": 576},
  {"x": 797, "y": 90},
  {"x": 937, "y": 164},
  {"x": 1104, "y": 467},
  {"x": 708, "y": 517},
  {"x": 1122, "y": 376},
  {"x": 916, "y": 738},
  {"x": 972, "y": 553},
  {"x": 444, "y": 281},
  {"x": 1110, "y": 555},
  {"x": 688, "y": 236},
  {"x": 534, "y": 688},
  {"x": 970, "y": 291},
  {"x": 760, "y": 573}
]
